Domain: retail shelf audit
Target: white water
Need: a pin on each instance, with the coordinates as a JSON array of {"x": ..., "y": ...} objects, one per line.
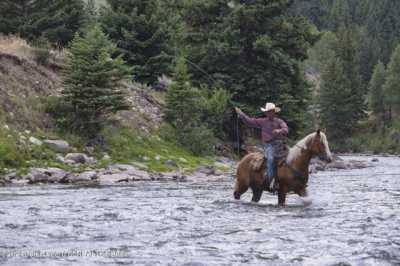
[{"x": 353, "y": 220}]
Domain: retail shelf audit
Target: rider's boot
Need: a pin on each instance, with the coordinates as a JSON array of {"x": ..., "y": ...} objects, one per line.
[
  {"x": 275, "y": 184},
  {"x": 266, "y": 181}
]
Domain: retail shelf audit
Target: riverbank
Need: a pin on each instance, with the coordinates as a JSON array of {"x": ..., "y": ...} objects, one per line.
[{"x": 121, "y": 174}]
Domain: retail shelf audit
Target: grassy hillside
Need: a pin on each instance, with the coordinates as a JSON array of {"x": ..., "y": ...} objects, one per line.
[
  {"x": 24, "y": 84},
  {"x": 26, "y": 88}
]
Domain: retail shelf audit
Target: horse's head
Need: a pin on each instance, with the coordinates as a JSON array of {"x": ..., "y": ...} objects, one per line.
[{"x": 320, "y": 146}]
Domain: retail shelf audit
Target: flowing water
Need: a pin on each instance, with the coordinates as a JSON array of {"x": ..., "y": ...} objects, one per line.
[{"x": 353, "y": 220}]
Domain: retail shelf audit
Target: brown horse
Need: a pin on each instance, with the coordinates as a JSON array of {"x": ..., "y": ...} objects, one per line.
[{"x": 292, "y": 173}]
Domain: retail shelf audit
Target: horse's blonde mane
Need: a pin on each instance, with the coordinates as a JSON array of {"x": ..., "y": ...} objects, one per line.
[{"x": 295, "y": 151}]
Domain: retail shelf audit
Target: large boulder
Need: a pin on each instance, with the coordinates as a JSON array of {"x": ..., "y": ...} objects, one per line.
[
  {"x": 57, "y": 145},
  {"x": 46, "y": 175},
  {"x": 89, "y": 176},
  {"x": 134, "y": 173},
  {"x": 112, "y": 179}
]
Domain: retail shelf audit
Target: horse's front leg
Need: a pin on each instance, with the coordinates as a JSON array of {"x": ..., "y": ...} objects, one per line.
[
  {"x": 282, "y": 196},
  {"x": 304, "y": 196}
]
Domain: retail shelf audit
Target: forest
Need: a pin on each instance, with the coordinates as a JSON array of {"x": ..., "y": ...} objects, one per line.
[{"x": 328, "y": 64}]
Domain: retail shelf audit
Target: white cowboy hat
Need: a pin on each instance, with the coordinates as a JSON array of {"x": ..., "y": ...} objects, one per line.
[{"x": 269, "y": 107}]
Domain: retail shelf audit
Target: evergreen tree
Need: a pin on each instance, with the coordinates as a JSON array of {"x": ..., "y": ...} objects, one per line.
[
  {"x": 183, "y": 112},
  {"x": 140, "y": 36},
  {"x": 376, "y": 95},
  {"x": 55, "y": 20},
  {"x": 392, "y": 84},
  {"x": 93, "y": 82},
  {"x": 379, "y": 22},
  {"x": 252, "y": 49},
  {"x": 348, "y": 50},
  {"x": 182, "y": 108},
  {"x": 342, "y": 96},
  {"x": 91, "y": 15},
  {"x": 340, "y": 14},
  {"x": 14, "y": 15},
  {"x": 334, "y": 102}
]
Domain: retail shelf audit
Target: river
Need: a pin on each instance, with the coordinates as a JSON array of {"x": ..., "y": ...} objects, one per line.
[{"x": 353, "y": 220}]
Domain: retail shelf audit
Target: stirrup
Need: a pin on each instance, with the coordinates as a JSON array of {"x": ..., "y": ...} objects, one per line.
[{"x": 273, "y": 186}]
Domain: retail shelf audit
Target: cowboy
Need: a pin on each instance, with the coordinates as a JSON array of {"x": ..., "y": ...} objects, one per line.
[{"x": 272, "y": 130}]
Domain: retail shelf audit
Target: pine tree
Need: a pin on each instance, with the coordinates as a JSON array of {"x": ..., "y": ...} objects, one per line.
[
  {"x": 15, "y": 15},
  {"x": 334, "y": 102},
  {"x": 93, "y": 82},
  {"x": 140, "y": 36},
  {"x": 342, "y": 95},
  {"x": 376, "y": 95},
  {"x": 183, "y": 113},
  {"x": 392, "y": 84},
  {"x": 348, "y": 50},
  {"x": 55, "y": 20},
  {"x": 91, "y": 15},
  {"x": 251, "y": 48},
  {"x": 182, "y": 108},
  {"x": 340, "y": 14}
]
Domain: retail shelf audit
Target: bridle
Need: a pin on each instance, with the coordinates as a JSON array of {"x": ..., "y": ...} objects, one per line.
[{"x": 295, "y": 172}]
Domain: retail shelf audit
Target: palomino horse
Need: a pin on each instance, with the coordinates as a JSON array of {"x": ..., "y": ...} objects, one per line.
[{"x": 292, "y": 174}]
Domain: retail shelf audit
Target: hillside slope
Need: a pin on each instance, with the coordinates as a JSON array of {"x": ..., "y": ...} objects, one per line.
[{"x": 25, "y": 85}]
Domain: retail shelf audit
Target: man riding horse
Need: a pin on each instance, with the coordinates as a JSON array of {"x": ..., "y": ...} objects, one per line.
[{"x": 272, "y": 131}]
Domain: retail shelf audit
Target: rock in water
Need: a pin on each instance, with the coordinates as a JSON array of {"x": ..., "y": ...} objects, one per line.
[
  {"x": 337, "y": 165},
  {"x": 206, "y": 169},
  {"x": 57, "y": 145}
]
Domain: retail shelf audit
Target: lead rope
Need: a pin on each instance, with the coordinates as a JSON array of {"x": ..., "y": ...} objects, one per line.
[{"x": 237, "y": 135}]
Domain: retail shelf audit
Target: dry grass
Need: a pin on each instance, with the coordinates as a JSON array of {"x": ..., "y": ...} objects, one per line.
[{"x": 16, "y": 46}]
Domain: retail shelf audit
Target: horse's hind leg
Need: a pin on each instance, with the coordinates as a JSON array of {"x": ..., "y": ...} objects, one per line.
[
  {"x": 240, "y": 188},
  {"x": 282, "y": 196},
  {"x": 256, "y": 194}
]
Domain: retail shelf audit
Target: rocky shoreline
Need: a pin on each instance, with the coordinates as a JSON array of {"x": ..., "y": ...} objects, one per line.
[{"x": 120, "y": 174}]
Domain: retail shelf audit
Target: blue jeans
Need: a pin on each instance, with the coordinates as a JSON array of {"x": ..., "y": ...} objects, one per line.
[{"x": 269, "y": 154}]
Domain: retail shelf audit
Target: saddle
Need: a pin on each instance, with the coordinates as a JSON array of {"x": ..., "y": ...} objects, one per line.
[{"x": 281, "y": 150}]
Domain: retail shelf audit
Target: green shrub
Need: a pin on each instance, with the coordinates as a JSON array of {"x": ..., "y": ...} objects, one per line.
[
  {"x": 199, "y": 140},
  {"x": 42, "y": 56},
  {"x": 214, "y": 104},
  {"x": 42, "y": 51},
  {"x": 374, "y": 142},
  {"x": 10, "y": 157},
  {"x": 61, "y": 111}
]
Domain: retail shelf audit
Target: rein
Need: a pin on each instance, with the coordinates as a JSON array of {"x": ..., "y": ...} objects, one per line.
[{"x": 295, "y": 172}]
